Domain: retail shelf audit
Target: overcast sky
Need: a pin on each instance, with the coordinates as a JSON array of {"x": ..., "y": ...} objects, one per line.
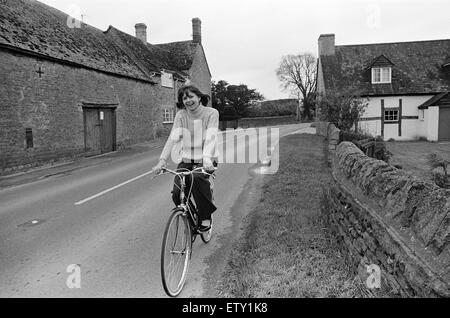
[{"x": 244, "y": 40}]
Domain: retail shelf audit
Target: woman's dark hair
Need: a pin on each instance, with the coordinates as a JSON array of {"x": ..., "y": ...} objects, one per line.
[{"x": 193, "y": 89}]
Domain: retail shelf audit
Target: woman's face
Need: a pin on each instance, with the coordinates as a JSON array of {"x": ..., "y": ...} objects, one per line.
[{"x": 191, "y": 101}]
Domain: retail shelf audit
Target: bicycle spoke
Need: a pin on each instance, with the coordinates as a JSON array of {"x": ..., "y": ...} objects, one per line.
[
  {"x": 174, "y": 259},
  {"x": 177, "y": 241},
  {"x": 176, "y": 255}
]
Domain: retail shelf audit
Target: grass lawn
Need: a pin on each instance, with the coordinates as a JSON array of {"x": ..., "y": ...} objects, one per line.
[
  {"x": 411, "y": 155},
  {"x": 286, "y": 250}
]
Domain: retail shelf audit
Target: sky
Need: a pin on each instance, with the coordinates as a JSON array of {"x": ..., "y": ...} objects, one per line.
[{"x": 245, "y": 40}]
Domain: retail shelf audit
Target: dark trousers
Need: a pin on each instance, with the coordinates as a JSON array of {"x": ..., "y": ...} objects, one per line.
[{"x": 201, "y": 190}]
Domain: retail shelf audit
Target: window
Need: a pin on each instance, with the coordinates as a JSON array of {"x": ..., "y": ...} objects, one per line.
[
  {"x": 168, "y": 115},
  {"x": 391, "y": 115},
  {"x": 381, "y": 75},
  {"x": 421, "y": 114},
  {"x": 29, "y": 137},
  {"x": 166, "y": 79}
]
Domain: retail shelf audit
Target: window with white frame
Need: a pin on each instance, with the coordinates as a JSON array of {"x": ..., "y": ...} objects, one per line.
[
  {"x": 166, "y": 79},
  {"x": 381, "y": 75},
  {"x": 390, "y": 115},
  {"x": 421, "y": 114},
  {"x": 168, "y": 115}
]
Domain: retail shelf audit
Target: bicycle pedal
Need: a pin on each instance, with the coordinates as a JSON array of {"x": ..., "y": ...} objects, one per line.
[{"x": 204, "y": 229}]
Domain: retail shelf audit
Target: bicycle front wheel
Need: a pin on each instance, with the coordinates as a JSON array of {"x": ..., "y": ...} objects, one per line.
[{"x": 175, "y": 252}]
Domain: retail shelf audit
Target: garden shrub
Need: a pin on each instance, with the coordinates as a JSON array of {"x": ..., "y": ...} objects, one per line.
[{"x": 380, "y": 150}]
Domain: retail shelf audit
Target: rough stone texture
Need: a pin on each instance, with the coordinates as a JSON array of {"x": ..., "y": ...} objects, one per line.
[
  {"x": 332, "y": 137},
  {"x": 276, "y": 107},
  {"x": 383, "y": 216},
  {"x": 251, "y": 122},
  {"x": 52, "y": 106},
  {"x": 413, "y": 203},
  {"x": 200, "y": 72},
  {"x": 50, "y": 68}
]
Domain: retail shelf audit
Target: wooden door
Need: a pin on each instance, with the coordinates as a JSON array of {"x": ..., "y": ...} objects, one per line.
[
  {"x": 107, "y": 130},
  {"x": 99, "y": 130},
  {"x": 444, "y": 124},
  {"x": 91, "y": 130}
]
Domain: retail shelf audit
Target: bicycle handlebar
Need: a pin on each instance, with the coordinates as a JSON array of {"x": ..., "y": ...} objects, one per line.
[{"x": 186, "y": 173}]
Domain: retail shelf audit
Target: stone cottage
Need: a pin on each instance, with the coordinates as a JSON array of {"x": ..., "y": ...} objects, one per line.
[
  {"x": 68, "y": 89},
  {"x": 407, "y": 85}
]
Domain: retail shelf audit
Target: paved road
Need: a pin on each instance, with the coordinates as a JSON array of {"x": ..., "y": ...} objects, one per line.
[{"x": 115, "y": 238}]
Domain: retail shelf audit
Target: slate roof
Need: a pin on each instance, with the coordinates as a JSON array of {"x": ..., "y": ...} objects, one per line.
[
  {"x": 37, "y": 28},
  {"x": 447, "y": 62},
  {"x": 417, "y": 67},
  {"x": 380, "y": 61},
  {"x": 181, "y": 54},
  {"x": 441, "y": 100},
  {"x": 149, "y": 57}
]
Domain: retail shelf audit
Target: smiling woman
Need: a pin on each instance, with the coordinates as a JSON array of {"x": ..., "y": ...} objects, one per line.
[{"x": 197, "y": 127}]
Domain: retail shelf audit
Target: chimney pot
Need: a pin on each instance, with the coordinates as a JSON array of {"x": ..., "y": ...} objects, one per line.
[
  {"x": 197, "y": 30},
  {"x": 326, "y": 44},
  {"x": 141, "y": 32}
]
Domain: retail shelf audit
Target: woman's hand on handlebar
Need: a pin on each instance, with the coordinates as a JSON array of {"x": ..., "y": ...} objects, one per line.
[
  {"x": 208, "y": 165},
  {"x": 161, "y": 164}
]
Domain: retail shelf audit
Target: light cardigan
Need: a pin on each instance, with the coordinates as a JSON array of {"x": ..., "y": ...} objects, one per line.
[{"x": 198, "y": 132}]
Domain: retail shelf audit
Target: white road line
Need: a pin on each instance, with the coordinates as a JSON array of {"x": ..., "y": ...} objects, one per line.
[{"x": 111, "y": 189}]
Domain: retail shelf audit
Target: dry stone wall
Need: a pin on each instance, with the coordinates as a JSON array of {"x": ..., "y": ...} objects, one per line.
[
  {"x": 332, "y": 137},
  {"x": 385, "y": 217},
  {"x": 251, "y": 122}
]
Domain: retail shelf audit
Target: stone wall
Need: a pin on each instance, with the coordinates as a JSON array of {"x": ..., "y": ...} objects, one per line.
[
  {"x": 50, "y": 103},
  {"x": 386, "y": 217},
  {"x": 258, "y": 122},
  {"x": 277, "y": 107},
  {"x": 330, "y": 132},
  {"x": 200, "y": 73},
  {"x": 332, "y": 136}
]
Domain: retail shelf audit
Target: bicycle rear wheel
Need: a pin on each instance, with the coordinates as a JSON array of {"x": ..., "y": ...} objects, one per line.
[{"x": 175, "y": 253}]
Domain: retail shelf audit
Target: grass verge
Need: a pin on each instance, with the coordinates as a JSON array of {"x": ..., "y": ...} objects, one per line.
[
  {"x": 412, "y": 155},
  {"x": 286, "y": 250}
]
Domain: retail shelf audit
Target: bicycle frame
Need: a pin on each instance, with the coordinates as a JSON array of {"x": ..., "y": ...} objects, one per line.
[
  {"x": 185, "y": 200},
  {"x": 188, "y": 214},
  {"x": 186, "y": 204}
]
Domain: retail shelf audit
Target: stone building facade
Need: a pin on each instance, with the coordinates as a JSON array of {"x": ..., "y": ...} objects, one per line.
[{"x": 70, "y": 90}]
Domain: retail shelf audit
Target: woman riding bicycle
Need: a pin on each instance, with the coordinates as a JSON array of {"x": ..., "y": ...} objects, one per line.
[{"x": 196, "y": 126}]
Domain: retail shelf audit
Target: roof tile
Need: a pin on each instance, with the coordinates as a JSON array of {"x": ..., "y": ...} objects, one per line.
[
  {"x": 33, "y": 26},
  {"x": 36, "y": 27},
  {"x": 417, "y": 67}
]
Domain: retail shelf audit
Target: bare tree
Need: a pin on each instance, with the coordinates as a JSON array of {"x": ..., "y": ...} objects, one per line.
[{"x": 297, "y": 74}]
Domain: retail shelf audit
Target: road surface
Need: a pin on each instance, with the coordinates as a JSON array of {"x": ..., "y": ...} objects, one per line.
[{"x": 107, "y": 219}]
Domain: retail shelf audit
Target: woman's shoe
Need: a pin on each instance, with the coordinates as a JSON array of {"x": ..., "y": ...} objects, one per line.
[{"x": 205, "y": 226}]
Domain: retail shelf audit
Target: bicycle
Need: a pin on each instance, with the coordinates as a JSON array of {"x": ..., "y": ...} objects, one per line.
[{"x": 180, "y": 233}]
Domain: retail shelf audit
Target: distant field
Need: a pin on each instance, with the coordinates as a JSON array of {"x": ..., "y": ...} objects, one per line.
[{"x": 411, "y": 155}]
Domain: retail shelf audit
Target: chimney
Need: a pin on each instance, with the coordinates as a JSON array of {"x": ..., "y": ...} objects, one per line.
[
  {"x": 197, "y": 30},
  {"x": 326, "y": 44},
  {"x": 141, "y": 32}
]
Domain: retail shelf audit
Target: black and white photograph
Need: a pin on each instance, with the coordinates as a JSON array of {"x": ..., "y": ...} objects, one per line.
[{"x": 224, "y": 155}]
